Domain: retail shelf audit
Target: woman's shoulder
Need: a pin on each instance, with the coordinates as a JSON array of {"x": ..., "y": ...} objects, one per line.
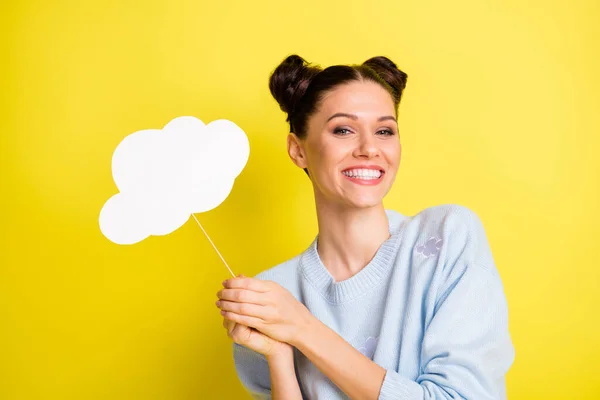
[
  {"x": 450, "y": 225},
  {"x": 455, "y": 217},
  {"x": 455, "y": 227},
  {"x": 284, "y": 273}
]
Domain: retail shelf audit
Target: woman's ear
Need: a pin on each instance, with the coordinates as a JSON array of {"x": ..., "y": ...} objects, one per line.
[{"x": 296, "y": 151}]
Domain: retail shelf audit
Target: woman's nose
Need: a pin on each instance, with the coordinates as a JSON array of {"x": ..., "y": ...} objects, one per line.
[{"x": 366, "y": 147}]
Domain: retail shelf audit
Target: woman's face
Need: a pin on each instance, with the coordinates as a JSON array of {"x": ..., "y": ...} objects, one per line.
[{"x": 352, "y": 147}]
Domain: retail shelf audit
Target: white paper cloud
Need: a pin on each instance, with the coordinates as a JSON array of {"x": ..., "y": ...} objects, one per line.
[{"x": 164, "y": 176}]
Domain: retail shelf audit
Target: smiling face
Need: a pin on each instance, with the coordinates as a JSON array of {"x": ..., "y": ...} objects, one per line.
[{"x": 352, "y": 148}]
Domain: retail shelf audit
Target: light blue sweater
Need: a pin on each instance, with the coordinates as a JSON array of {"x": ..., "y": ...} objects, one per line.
[{"x": 429, "y": 308}]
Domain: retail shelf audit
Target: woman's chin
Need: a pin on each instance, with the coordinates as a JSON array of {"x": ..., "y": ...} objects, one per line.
[{"x": 365, "y": 202}]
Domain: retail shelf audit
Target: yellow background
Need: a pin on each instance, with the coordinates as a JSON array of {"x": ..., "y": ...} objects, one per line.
[{"x": 500, "y": 115}]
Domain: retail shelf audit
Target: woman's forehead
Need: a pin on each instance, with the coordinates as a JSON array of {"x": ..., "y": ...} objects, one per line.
[{"x": 360, "y": 98}]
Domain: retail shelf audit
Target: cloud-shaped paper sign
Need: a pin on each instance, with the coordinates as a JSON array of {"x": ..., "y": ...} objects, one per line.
[{"x": 165, "y": 175}]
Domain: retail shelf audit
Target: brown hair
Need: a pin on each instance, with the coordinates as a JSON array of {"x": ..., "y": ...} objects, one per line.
[{"x": 299, "y": 86}]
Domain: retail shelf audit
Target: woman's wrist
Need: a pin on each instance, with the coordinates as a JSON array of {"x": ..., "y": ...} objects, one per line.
[
  {"x": 281, "y": 354},
  {"x": 284, "y": 384},
  {"x": 311, "y": 328}
]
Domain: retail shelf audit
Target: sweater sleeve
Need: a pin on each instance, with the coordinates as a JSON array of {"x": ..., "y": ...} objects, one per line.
[
  {"x": 253, "y": 371},
  {"x": 466, "y": 349}
]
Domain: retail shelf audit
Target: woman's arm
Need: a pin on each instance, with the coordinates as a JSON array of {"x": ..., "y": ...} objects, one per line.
[
  {"x": 350, "y": 370},
  {"x": 284, "y": 385},
  {"x": 265, "y": 366},
  {"x": 466, "y": 349}
]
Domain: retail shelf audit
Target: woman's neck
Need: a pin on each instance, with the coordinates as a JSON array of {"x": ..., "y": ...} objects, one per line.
[{"x": 349, "y": 237}]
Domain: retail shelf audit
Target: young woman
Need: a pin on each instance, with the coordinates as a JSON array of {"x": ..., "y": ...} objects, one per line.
[{"x": 381, "y": 305}]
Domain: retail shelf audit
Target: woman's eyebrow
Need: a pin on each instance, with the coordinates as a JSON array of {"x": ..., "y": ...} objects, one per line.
[
  {"x": 355, "y": 117},
  {"x": 337, "y": 115}
]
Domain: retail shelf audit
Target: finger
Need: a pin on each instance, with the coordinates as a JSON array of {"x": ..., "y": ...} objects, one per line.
[
  {"x": 242, "y": 296},
  {"x": 246, "y": 283},
  {"x": 240, "y": 334},
  {"x": 229, "y": 326},
  {"x": 252, "y": 322},
  {"x": 248, "y": 309}
]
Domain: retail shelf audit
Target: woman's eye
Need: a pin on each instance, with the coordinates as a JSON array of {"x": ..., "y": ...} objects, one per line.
[
  {"x": 386, "y": 132},
  {"x": 341, "y": 131}
]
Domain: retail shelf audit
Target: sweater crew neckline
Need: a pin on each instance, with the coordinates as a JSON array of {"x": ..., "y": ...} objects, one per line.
[{"x": 367, "y": 278}]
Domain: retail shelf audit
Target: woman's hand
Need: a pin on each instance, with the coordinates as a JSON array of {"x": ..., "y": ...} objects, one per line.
[
  {"x": 255, "y": 340},
  {"x": 265, "y": 306}
]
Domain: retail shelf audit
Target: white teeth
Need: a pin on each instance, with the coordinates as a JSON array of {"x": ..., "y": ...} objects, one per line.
[{"x": 363, "y": 173}]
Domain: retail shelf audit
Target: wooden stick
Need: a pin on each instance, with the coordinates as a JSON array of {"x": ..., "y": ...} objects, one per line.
[{"x": 213, "y": 245}]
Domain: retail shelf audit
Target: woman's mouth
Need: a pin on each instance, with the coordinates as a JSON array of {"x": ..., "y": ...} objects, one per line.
[{"x": 364, "y": 176}]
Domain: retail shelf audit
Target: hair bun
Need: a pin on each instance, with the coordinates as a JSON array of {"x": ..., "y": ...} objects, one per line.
[
  {"x": 389, "y": 72},
  {"x": 289, "y": 81}
]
